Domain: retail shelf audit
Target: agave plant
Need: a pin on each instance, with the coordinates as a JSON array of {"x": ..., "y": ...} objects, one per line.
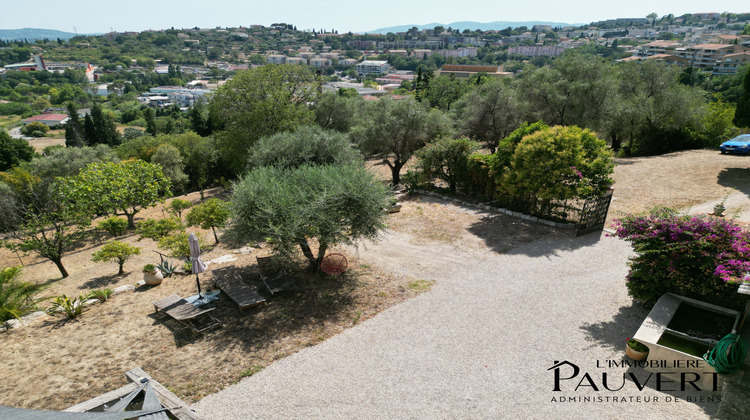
[
  {"x": 166, "y": 268},
  {"x": 72, "y": 308},
  {"x": 16, "y": 297}
]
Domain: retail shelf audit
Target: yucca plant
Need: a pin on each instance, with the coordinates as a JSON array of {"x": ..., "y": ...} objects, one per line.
[
  {"x": 101, "y": 294},
  {"x": 72, "y": 308},
  {"x": 16, "y": 297}
]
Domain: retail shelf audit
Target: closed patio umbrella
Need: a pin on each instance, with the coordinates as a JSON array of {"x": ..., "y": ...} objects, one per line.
[{"x": 198, "y": 265}]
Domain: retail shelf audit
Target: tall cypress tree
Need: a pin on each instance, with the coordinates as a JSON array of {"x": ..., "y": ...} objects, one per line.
[
  {"x": 89, "y": 130},
  {"x": 150, "y": 121},
  {"x": 742, "y": 113},
  {"x": 74, "y": 134}
]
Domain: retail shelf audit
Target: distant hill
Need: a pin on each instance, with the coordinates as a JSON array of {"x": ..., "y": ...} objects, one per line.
[
  {"x": 498, "y": 25},
  {"x": 32, "y": 34}
]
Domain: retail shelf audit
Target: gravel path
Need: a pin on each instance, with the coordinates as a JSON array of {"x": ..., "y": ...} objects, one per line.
[{"x": 478, "y": 345}]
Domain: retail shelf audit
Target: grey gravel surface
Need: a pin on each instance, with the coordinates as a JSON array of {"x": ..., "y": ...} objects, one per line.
[{"x": 478, "y": 345}]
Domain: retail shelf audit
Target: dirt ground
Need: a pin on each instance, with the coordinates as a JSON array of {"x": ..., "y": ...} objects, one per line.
[
  {"x": 678, "y": 180},
  {"x": 53, "y": 363}
]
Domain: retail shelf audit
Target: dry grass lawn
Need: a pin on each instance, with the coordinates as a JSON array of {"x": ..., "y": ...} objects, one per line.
[{"x": 54, "y": 363}]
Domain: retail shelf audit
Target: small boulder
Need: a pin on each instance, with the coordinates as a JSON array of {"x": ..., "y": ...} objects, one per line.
[{"x": 124, "y": 288}]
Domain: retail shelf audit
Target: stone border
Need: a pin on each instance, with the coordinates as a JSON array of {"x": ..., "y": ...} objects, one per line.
[{"x": 500, "y": 210}]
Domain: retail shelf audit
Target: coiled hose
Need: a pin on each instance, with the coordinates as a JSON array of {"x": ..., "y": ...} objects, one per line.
[{"x": 728, "y": 354}]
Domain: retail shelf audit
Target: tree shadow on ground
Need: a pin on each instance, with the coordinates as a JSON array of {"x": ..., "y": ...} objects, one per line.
[
  {"x": 737, "y": 178},
  {"x": 511, "y": 235},
  {"x": 614, "y": 333},
  {"x": 98, "y": 282},
  {"x": 317, "y": 301}
]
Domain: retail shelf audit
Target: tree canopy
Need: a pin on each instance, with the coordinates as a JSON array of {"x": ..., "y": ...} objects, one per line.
[
  {"x": 289, "y": 207},
  {"x": 13, "y": 151},
  {"x": 259, "y": 102}
]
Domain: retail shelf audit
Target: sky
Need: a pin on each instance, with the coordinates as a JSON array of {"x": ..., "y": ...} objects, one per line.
[{"x": 88, "y": 16}]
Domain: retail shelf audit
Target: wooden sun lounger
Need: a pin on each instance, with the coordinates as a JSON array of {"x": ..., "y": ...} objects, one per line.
[
  {"x": 185, "y": 313},
  {"x": 237, "y": 290},
  {"x": 276, "y": 280}
]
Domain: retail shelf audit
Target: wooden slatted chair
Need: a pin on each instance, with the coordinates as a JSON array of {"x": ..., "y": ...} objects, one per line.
[
  {"x": 186, "y": 313},
  {"x": 276, "y": 279},
  {"x": 237, "y": 290}
]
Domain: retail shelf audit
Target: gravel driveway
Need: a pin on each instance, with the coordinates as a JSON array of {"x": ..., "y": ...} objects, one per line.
[{"x": 478, "y": 345}]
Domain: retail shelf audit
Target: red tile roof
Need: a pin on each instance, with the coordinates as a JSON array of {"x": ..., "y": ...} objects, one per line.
[{"x": 47, "y": 117}]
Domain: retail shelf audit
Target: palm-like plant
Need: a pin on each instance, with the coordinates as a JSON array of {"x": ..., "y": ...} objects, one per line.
[
  {"x": 16, "y": 297},
  {"x": 71, "y": 307}
]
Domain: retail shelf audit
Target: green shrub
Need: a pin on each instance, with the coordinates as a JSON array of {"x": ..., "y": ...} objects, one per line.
[
  {"x": 558, "y": 163},
  {"x": 178, "y": 245},
  {"x": 102, "y": 294},
  {"x": 177, "y": 206},
  {"x": 115, "y": 226},
  {"x": 35, "y": 127},
  {"x": 16, "y": 297},
  {"x": 481, "y": 175},
  {"x": 702, "y": 258},
  {"x": 157, "y": 229},
  {"x": 116, "y": 251},
  {"x": 447, "y": 159},
  {"x": 507, "y": 146},
  {"x": 212, "y": 213}
]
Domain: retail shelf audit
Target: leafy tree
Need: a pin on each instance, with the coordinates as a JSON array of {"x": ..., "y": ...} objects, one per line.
[
  {"x": 118, "y": 251},
  {"x": 66, "y": 162},
  {"x": 102, "y": 128},
  {"x": 447, "y": 159},
  {"x": 74, "y": 133},
  {"x": 291, "y": 206},
  {"x": 178, "y": 244},
  {"x": 443, "y": 91},
  {"x": 158, "y": 229},
  {"x": 177, "y": 206},
  {"x": 212, "y": 213},
  {"x": 119, "y": 188},
  {"x": 337, "y": 111},
  {"x": 395, "y": 129},
  {"x": 115, "y": 226},
  {"x": 171, "y": 163},
  {"x": 489, "y": 113},
  {"x": 150, "y": 117},
  {"x": 16, "y": 297},
  {"x": 308, "y": 144},
  {"x": 50, "y": 223},
  {"x": 742, "y": 114},
  {"x": 259, "y": 102},
  {"x": 35, "y": 129},
  {"x": 13, "y": 151}
]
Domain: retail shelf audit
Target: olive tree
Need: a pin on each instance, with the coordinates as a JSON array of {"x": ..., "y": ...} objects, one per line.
[
  {"x": 307, "y": 144},
  {"x": 394, "y": 129},
  {"x": 291, "y": 207}
]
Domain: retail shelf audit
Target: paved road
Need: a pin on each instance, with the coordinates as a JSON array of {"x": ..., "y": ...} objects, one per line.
[
  {"x": 478, "y": 345},
  {"x": 16, "y": 134}
]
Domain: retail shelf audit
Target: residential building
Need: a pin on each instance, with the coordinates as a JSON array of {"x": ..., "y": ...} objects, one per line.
[
  {"x": 458, "y": 52},
  {"x": 373, "y": 67},
  {"x": 347, "y": 62},
  {"x": 537, "y": 50},
  {"x": 320, "y": 62},
  {"x": 276, "y": 59},
  {"x": 706, "y": 55},
  {"x": 421, "y": 53},
  {"x": 363, "y": 45},
  {"x": 402, "y": 53},
  {"x": 464, "y": 72},
  {"x": 51, "y": 120},
  {"x": 656, "y": 47},
  {"x": 296, "y": 60},
  {"x": 731, "y": 63}
]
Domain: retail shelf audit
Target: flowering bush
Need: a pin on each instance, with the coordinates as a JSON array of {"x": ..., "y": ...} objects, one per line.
[{"x": 701, "y": 257}]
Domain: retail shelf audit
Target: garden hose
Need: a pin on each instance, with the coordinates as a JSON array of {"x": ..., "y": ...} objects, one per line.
[{"x": 728, "y": 354}]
